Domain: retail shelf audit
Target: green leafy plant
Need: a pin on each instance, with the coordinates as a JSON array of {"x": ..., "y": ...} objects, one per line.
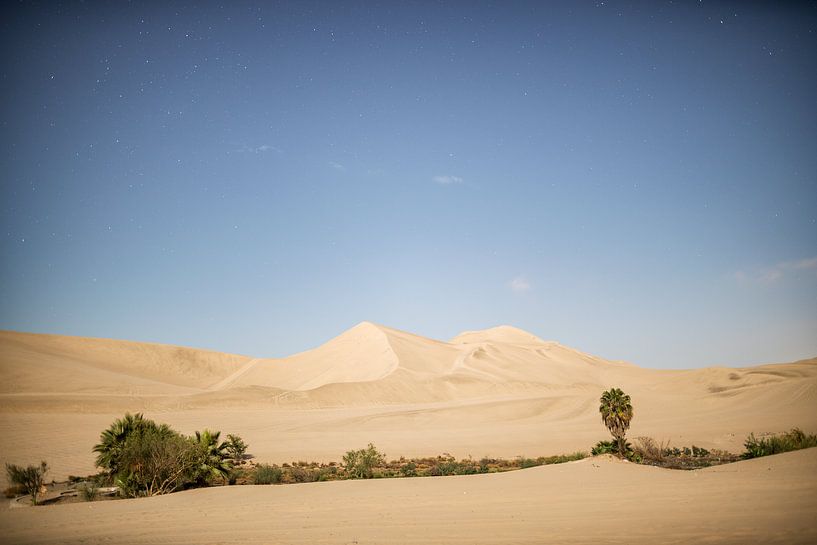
[
  {"x": 112, "y": 441},
  {"x": 30, "y": 479},
  {"x": 616, "y": 413},
  {"x": 267, "y": 474},
  {"x": 360, "y": 464},
  {"x": 213, "y": 462}
]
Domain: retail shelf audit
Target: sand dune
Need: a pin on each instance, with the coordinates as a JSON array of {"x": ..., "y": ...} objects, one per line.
[
  {"x": 497, "y": 392},
  {"x": 55, "y": 363},
  {"x": 601, "y": 500}
]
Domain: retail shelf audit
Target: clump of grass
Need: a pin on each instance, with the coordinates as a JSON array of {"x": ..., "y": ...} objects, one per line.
[
  {"x": 563, "y": 458},
  {"x": 266, "y": 474},
  {"x": 795, "y": 439}
]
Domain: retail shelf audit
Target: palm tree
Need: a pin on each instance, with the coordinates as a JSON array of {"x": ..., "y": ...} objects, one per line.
[
  {"x": 616, "y": 413},
  {"x": 112, "y": 440},
  {"x": 214, "y": 461}
]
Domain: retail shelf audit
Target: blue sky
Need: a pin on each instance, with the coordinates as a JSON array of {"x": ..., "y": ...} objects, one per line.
[{"x": 637, "y": 180}]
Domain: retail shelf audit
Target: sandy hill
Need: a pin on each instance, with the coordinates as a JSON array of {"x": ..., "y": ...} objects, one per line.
[
  {"x": 31, "y": 363},
  {"x": 500, "y": 391},
  {"x": 372, "y": 363}
]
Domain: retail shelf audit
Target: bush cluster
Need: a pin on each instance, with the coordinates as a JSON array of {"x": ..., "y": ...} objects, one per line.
[
  {"x": 650, "y": 452},
  {"x": 144, "y": 458},
  {"x": 795, "y": 439}
]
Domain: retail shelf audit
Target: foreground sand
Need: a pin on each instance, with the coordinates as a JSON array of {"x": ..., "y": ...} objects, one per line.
[{"x": 598, "y": 500}]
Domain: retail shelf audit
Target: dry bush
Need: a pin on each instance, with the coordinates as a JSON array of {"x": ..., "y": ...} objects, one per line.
[{"x": 650, "y": 450}]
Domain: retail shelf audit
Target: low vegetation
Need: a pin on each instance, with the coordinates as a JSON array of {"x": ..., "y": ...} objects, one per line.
[
  {"x": 360, "y": 464},
  {"x": 795, "y": 439},
  {"x": 650, "y": 452},
  {"x": 143, "y": 458},
  {"x": 28, "y": 480}
]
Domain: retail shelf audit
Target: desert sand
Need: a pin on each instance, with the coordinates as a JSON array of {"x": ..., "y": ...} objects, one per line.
[
  {"x": 500, "y": 392},
  {"x": 599, "y": 500}
]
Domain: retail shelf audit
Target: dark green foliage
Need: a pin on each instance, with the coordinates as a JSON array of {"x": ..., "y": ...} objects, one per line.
[
  {"x": 266, "y": 474},
  {"x": 112, "y": 440},
  {"x": 795, "y": 439},
  {"x": 616, "y": 413},
  {"x": 360, "y": 464},
  {"x": 622, "y": 450},
  {"x": 604, "y": 447},
  {"x": 213, "y": 458},
  {"x": 144, "y": 458},
  {"x": 30, "y": 479}
]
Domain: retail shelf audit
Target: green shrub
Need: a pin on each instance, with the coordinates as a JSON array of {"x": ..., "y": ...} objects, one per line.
[
  {"x": 31, "y": 479},
  {"x": 326, "y": 473},
  {"x": 605, "y": 447},
  {"x": 266, "y": 474},
  {"x": 360, "y": 464},
  {"x": 409, "y": 469},
  {"x": 144, "y": 458},
  {"x": 88, "y": 491},
  {"x": 612, "y": 447},
  {"x": 153, "y": 462},
  {"x": 795, "y": 439}
]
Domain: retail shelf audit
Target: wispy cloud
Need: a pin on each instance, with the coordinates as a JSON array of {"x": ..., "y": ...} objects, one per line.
[
  {"x": 519, "y": 284},
  {"x": 263, "y": 148},
  {"x": 447, "y": 179},
  {"x": 267, "y": 147},
  {"x": 775, "y": 273},
  {"x": 337, "y": 166}
]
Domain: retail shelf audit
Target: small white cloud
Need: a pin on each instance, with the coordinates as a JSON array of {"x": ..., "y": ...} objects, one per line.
[
  {"x": 775, "y": 273},
  {"x": 519, "y": 284},
  {"x": 266, "y": 147},
  {"x": 337, "y": 166},
  {"x": 447, "y": 180}
]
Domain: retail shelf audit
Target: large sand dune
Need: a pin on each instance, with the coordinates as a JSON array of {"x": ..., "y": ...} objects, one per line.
[{"x": 497, "y": 392}]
